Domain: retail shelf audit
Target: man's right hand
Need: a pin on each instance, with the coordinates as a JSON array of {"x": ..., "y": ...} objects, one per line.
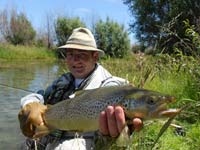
[{"x": 30, "y": 116}]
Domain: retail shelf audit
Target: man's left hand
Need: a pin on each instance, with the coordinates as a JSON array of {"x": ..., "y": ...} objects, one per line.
[{"x": 112, "y": 121}]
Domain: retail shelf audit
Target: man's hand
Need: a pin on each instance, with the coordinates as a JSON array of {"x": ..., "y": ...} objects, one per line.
[
  {"x": 112, "y": 121},
  {"x": 30, "y": 116}
]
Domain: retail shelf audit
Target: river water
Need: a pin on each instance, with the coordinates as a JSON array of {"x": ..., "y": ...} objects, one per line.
[{"x": 16, "y": 79}]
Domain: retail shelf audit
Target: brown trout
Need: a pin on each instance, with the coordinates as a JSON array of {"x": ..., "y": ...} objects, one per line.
[{"x": 81, "y": 113}]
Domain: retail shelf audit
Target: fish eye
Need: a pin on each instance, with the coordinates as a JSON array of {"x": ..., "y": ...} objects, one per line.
[{"x": 150, "y": 101}]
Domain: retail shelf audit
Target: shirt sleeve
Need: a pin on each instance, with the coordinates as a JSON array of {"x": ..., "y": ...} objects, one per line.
[{"x": 34, "y": 97}]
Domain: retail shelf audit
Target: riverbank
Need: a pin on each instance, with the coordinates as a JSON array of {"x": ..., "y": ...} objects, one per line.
[{"x": 19, "y": 52}]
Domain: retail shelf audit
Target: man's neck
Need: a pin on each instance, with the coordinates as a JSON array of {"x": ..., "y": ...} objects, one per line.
[{"x": 78, "y": 82}]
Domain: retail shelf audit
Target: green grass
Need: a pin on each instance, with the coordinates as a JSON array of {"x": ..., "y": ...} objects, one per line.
[
  {"x": 179, "y": 77},
  {"x": 19, "y": 52},
  {"x": 170, "y": 140}
]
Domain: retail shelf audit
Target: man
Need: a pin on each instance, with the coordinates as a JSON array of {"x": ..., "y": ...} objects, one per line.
[{"x": 82, "y": 56}]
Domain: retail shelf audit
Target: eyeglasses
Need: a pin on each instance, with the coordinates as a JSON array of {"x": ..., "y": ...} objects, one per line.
[
  {"x": 71, "y": 55},
  {"x": 79, "y": 56}
]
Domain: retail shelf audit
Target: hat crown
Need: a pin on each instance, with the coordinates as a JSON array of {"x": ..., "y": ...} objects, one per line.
[
  {"x": 82, "y": 39},
  {"x": 82, "y": 36}
]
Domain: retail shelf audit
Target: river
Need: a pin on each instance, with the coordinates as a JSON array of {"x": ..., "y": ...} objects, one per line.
[{"x": 18, "y": 79}]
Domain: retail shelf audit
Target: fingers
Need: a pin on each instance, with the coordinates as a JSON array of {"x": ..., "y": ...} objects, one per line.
[
  {"x": 112, "y": 121},
  {"x": 103, "y": 125},
  {"x": 137, "y": 124},
  {"x": 120, "y": 118}
]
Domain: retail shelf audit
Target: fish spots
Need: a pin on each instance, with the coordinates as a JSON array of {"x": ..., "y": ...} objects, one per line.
[
  {"x": 126, "y": 104},
  {"x": 82, "y": 112},
  {"x": 92, "y": 109}
]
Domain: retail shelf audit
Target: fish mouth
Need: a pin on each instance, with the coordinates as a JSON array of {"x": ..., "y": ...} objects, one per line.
[
  {"x": 169, "y": 112},
  {"x": 164, "y": 112}
]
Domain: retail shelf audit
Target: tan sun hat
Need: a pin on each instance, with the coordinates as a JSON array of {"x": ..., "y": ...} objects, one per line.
[{"x": 83, "y": 39}]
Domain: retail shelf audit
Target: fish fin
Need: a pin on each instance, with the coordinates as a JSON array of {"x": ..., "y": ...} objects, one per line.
[
  {"x": 40, "y": 131},
  {"x": 124, "y": 138}
]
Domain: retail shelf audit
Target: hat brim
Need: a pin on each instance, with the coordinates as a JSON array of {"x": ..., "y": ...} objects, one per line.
[{"x": 82, "y": 47}]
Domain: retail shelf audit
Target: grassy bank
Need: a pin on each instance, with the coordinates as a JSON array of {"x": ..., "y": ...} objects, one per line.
[
  {"x": 175, "y": 75},
  {"x": 18, "y": 52},
  {"x": 166, "y": 74}
]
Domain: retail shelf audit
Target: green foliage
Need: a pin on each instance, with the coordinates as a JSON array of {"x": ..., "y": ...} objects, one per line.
[
  {"x": 149, "y": 15},
  {"x": 170, "y": 140},
  {"x": 160, "y": 23},
  {"x": 19, "y": 52},
  {"x": 40, "y": 43},
  {"x": 64, "y": 27},
  {"x": 177, "y": 75},
  {"x": 112, "y": 38},
  {"x": 22, "y": 30},
  {"x": 136, "y": 48},
  {"x": 188, "y": 42},
  {"x": 16, "y": 29},
  {"x": 193, "y": 37}
]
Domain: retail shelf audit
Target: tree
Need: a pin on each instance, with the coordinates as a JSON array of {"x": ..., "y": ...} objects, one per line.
[
  {"x": 112, "y": 38},
  {"x": 22, "y": 30},
  {"x": 4, "y": 25},
  {"x": 148, "y": 15},
  {"x": 49, "y": 31},
  {"x": 160, "y": 23},
  {"x": 46, "y": 34},
  {"x": 64, "y": 27},
  {"x": 16, "y": 29}
]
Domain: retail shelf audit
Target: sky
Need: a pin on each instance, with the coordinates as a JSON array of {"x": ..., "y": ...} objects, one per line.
[{"x": 87, "y": 10}]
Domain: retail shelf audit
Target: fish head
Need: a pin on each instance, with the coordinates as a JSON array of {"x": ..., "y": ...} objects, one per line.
[{"x": 147, "y": 104}]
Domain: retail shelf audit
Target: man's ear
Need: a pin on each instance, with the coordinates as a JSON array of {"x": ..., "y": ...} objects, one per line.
[{"x": 96, "y": 56}]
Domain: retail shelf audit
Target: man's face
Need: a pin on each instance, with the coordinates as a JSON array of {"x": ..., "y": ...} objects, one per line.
[{"x": 80, "y": 63}]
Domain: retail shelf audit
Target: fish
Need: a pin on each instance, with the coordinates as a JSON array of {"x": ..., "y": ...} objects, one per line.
[{"x": 81, "y": 113}]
